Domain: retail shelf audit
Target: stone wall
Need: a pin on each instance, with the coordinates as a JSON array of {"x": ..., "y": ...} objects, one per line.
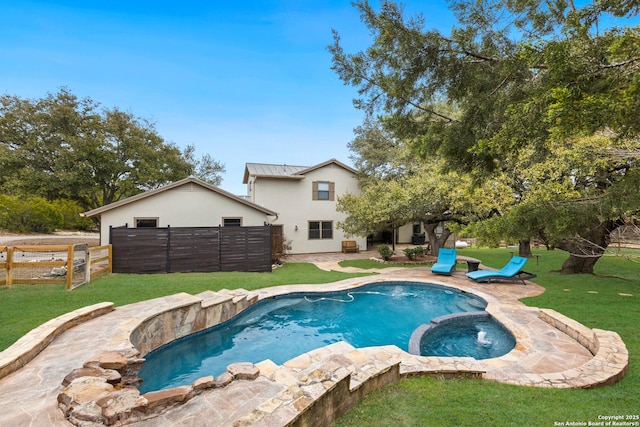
[
  {"x": 104, "y": 391},
  {"x": 209, "y": 309},
  {"x": 610, "y": 361}
]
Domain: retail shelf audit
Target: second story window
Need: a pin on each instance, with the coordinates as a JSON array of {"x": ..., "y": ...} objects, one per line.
[{"x": 323, "y": 190}]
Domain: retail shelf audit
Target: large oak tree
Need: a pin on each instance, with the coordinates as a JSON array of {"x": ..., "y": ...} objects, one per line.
[
  {"x": 398, "y": 187},
  {"x": 533, "y": 82},
  {"x": 63, "y": 147}
]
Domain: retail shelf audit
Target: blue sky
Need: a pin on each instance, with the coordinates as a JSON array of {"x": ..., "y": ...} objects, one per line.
[{"x": 245, "y": 81}]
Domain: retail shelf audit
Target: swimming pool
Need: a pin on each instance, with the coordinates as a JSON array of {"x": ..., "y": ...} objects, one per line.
[{"x": 284, "y": 327}]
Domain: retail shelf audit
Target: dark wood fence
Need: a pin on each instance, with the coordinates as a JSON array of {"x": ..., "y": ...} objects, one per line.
[{"x": 191, "y": 249}]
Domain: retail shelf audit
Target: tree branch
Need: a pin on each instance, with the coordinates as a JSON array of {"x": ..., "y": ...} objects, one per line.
[{"x": 620, "y": 64}]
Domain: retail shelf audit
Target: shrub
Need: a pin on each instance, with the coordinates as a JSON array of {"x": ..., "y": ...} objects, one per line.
[
  {"x": 37, "y": 215},
  {"x": 71, "y": 219},
  {"x": 27, "y": 215},
  {"x": 413, "y": 253},
  {"x": 8, "y": 205},
  {"x": 385, "y": 252}
]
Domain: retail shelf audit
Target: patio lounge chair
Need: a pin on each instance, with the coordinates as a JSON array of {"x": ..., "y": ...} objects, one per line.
[
  {"x": 446, "y": 262},
  {"x": 510, "y": 272}
]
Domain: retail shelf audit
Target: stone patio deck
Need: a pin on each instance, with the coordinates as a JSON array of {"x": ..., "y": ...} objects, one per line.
[{"x": 551, "y": 351}]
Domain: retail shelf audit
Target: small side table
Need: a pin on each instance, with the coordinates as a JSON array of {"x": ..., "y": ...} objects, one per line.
[{"x": 472, "y": 265}]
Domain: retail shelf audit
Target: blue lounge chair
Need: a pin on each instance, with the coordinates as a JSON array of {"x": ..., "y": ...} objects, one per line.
[
  {"x": 510, "y": 272},
  {"x": 446, "y": 262}
]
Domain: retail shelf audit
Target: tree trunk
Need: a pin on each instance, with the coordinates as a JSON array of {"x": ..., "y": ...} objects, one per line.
[
  {"x": 524, "y": 248},
  {"x": 394, "y": 232},
  {"x": 585, "y": 251},
  {"x": 435, "y": 242}
]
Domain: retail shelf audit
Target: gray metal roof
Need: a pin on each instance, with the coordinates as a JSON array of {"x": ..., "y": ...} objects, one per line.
[{"x": 265, "y": 169}]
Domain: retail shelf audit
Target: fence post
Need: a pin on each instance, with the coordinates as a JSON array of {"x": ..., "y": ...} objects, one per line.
[
  {"x": 88, "y": 266},
  {"x": 168, "y": 263},
  {"x": 219, "y": 247},
  {"x": 9, "y": 266},
  {"x": 270, "y": 245},
  {"x": 110, "y": 264},
  {"x": 69, "y": 267}
]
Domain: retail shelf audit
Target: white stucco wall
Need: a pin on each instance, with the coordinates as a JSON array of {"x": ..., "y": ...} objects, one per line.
[
  {"x": 405, "y": 233},
  {"x": 292, "y": 199},
  {"x": 189, "y": 205}
]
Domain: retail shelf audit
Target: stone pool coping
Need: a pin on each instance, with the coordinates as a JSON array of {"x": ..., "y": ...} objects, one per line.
[
  {"x": 322, "y": 383},
  {"x": 32, "y": 343}
]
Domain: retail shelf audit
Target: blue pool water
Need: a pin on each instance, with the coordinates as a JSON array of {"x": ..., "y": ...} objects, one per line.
[
  {"x": 477, "y": 338},
  {"x": 284, "y": 327}
]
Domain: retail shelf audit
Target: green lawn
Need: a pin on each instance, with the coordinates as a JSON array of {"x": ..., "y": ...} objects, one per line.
[{"x": 592, "y": 300}]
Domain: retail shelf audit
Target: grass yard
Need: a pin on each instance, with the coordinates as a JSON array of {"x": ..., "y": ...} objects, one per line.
[{"x": 592, "y": 300}]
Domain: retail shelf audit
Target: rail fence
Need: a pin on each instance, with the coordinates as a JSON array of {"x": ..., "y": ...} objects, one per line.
[
  {"x": 625, "y": 237},
  {"x": 191, "y": 249},
  {"x": 71, "y": 265}
]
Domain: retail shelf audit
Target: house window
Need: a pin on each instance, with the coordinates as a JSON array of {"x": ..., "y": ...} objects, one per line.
[
  {"x": 323, "y": 190},
  {"x": 320, "y": 230},
  {"x": 146, "y": 222},
  {"x": 232, "y": 222}
]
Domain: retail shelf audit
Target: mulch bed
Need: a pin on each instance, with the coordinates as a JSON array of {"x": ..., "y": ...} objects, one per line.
[{"x": 402, "y": 259}]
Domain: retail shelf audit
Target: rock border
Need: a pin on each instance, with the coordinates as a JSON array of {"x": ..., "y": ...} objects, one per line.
[{"x": 30, "y": 345}]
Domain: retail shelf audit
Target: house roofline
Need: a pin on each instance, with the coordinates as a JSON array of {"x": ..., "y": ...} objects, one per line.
[
  {"x": 328, "y": 162},
  {"x": 173, "y": 185},
  {"x": 298, "y": 175}
]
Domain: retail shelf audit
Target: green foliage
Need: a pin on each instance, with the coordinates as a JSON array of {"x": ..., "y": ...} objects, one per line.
[
  {"x": 63, "y": 147},
  {"x": 31, "y": 215},
  {"x": 397, "y": 189},
  {"x": 71, "y": 219},
  {"x": 533, "y": 97},
  {"x": 413, "y": 253},
  {"x": 368, "y": 264},
  {"x": 516, "y": 73},
  {"x": 379, "y": 206},
  {"x": 37, "y": 215},
  {"x": 205, "y": 168},
  {"x": 385, "y": 252}
]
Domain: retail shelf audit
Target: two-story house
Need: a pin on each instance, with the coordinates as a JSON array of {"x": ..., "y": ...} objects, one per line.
[{"x": 305, "y": 199}]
